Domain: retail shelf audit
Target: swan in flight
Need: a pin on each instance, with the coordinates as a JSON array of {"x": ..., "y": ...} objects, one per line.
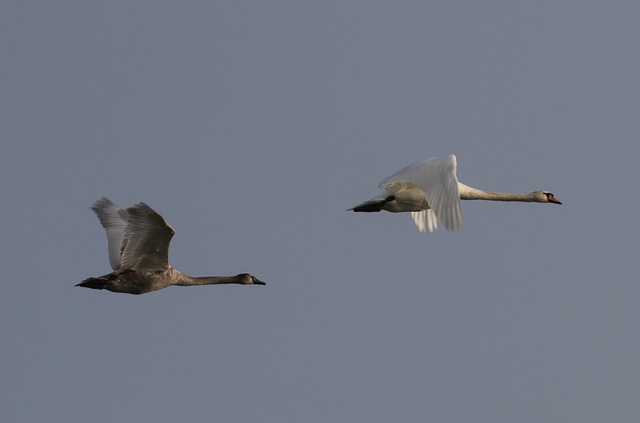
[
  {"x": 138, "y": 240},
  {"x": 431, "y": 192}
]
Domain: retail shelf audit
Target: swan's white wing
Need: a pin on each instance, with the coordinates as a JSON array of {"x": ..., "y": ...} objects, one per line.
[
  {"x": 425, "y": 220},
  {"x": 114, "y": 224},
  {"x": 437, "y": 178},
  {"x": 147, "y": 238}
]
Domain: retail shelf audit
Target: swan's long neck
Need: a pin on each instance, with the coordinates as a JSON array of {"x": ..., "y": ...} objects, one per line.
[
  {"x": 186, "y": 280},
  {"x": 469, "y": 193}
]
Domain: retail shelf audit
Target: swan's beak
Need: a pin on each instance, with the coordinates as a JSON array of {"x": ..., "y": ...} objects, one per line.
[
  {"x": 554, "y": 200},
  {"x": 257, "y": 281}
]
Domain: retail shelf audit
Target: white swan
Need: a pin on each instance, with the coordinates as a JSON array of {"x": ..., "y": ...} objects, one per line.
[
  {"x": 139, "y": 240},
  {"x": 431, "y": 192}
]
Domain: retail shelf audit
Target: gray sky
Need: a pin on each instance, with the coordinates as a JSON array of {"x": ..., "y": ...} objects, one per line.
[{"x": 251, "y": 126}]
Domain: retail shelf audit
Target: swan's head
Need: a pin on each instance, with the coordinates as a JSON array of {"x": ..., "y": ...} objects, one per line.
[
  {"x": 545, "y": 197},
  {"x": 249, "y": 279}
]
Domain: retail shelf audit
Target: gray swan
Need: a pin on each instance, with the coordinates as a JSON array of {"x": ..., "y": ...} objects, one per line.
[
  {"x": 431, "y": 192},
  {"x": 138, "y": 240}
]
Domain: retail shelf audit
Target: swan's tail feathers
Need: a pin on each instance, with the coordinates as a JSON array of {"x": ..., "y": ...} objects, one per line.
[
  {"x": 371, "y": 206},
  {"x": 97, "y": 283}
]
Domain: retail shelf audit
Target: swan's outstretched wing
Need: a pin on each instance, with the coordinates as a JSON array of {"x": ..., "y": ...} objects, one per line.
[
  {"x": 147, "y": 238},
  {"x": 114, "y": 224},
  {"x": 437, "y": 178}
]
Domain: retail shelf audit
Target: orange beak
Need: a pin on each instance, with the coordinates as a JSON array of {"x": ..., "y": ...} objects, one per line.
[{"x": 554, "y": 200}]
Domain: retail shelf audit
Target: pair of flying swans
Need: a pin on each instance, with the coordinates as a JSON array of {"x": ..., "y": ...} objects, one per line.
[{"x": 139, "y": 237}]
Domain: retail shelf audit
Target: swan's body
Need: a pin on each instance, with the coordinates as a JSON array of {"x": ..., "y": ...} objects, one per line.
[
  {"x": 139, "y": 240},
  {"x": 431, "y": 192}
]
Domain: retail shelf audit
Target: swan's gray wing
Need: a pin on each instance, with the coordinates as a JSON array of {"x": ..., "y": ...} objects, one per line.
[
  {"x": 437, "y": 178},
  {"x": 114, "y": 225},
  {"x": 147, "y": 238}
]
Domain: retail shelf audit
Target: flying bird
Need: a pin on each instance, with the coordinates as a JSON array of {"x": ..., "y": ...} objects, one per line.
[
  {"x": 138, "y": 240},
  {"x": 431, "y": 192}
]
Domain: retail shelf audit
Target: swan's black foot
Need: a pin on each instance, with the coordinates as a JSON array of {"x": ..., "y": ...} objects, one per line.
[
  {"x": 370, "y": 207},
  {"x": 97, "y": 283}
]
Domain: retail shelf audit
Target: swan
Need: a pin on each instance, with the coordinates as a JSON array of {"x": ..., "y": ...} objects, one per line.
[
  {"x": 138, "y": 242},
  {"x": 430, "y": 191}
]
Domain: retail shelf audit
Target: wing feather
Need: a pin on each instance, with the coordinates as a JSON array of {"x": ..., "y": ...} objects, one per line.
[
  {"x": 436, "y": 177},
  {"x": 147, "y": 239},
  {"x": 114, "y": 225}
]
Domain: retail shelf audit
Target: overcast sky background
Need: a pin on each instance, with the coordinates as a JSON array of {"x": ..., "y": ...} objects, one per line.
[{"x": 251, "y": 126}]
